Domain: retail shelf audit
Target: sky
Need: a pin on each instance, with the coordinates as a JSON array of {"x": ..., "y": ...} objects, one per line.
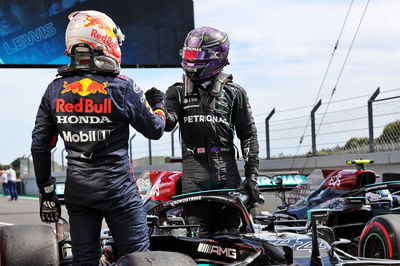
[{"x": 279, "y": 54}]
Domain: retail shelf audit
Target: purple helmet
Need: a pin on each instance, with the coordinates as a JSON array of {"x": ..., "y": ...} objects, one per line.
[{"x": 205, "y": 53}]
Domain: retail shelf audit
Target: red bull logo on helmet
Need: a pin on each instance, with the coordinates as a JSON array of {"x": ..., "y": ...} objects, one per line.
[
  {"x": 85, "y": 87},
  {"x": 102, "y": 23}
]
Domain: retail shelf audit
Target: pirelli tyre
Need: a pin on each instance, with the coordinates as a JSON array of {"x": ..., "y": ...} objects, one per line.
[
  {"x": 33, "y": 245},
  {"x": 381, "y": 238},
  {"x": 156, "y": 258}
]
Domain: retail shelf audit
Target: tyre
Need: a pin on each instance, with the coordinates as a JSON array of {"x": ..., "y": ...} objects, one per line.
[
  {"x": 156, "y": 258},
  {"x": 33, "y": 245},
  {"x": 381, "y": 238}
]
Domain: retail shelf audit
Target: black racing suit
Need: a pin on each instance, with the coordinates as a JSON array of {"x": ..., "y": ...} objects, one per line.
[
  {"x": 92, "y": 114},
  {"x": 207, "y": 125}
]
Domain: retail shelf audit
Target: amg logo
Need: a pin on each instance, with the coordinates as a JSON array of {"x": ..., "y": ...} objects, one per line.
[
  {"x": 88, "y": 136},
  {"x": 203, "y": 118},
  {"x": 211, "y": 249},
  {"x": 65, "y": 119}
]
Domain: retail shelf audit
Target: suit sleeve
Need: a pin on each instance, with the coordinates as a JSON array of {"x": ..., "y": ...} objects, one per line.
[
  {"x": 173, "y": 106},
  {"x": 44, "y": 138},
  {"x": 247, "y": 133},
  {"x": 140, "y": 115}
]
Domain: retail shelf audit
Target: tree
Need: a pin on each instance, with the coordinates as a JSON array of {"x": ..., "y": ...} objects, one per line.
[
  {"x": 390, "y": 134},
  {"x": 355, "y": 142}
]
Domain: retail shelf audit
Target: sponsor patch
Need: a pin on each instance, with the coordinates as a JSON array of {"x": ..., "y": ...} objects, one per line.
[
  {"x": 217, "y": 250},
  {"x": 65, "y": 119},
  {"x": 84, "y": 106},
  {"x": 85, "y": 136},
  {"x": 85, "y": 87},
  {"x": 204, "y": 118}
]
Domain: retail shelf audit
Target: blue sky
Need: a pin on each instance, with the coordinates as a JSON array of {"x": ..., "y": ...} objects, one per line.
[{"x": 279, "y": 52}]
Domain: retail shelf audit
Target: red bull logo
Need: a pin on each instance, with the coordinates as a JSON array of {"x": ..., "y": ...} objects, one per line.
[
  {"x": 102, "y": 23},
  {"x": 84, "y": 106},
  {"x": 85, "y": 87}
]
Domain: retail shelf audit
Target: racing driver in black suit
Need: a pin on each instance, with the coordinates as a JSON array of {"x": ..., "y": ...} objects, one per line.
[
  {"x": 210, "y": 108},
  {"x": 91, "y": 106}
]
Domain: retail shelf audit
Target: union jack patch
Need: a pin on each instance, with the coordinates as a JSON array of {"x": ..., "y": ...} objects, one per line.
[{"x": 201, "y": 150}]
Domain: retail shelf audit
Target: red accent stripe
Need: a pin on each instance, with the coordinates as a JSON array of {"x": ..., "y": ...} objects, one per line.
[
  {"x": 385, "y": 232},
  {"x": 53, "y": 140}
]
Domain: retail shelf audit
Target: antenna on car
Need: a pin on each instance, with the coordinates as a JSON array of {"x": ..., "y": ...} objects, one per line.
[
  {"x": 360, "y": 163},
  {"x": 279, "y": 183}
]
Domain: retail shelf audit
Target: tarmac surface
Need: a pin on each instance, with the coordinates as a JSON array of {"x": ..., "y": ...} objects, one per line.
[{"x": 25, "y": 210}]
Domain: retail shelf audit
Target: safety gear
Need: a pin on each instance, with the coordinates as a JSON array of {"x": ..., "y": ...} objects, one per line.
[
  {"x": 250, "y": 186},
  {"x": 155, "y": 96},
  {"x": 156, "y": 100},
  {"x": 96, "y": 29},
  {"x": 205, "y": 53},
  {"x": 207, "y": 125},
  {"x": 92, "y": 114},
  {"x": 50, "y": 208},
  {"x": 96, "y": 62}
]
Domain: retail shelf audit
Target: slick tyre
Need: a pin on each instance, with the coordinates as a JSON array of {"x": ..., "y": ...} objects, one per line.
[
  {"x": 33, "y": 245},
  {"x": 156, "y": 258},
  {"x": 381, "y": 238}
]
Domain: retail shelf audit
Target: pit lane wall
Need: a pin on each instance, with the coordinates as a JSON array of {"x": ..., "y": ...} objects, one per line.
[{"x": 384, "y": 162}]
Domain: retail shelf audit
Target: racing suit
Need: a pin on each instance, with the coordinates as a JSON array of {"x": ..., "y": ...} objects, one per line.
[
  {"x": 207, "y": 124},
  {"x": 92, "y": 113}
]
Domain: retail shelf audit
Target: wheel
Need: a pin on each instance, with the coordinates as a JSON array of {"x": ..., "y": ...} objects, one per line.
[
  {"x": 26, "y": 244},
  {"x": 156, "y": 258},
  {"x": 381, "y": 238}
]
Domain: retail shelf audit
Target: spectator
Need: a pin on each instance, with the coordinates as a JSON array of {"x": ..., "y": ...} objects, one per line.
[
  {"x": 4, "y": 181},
  {"x": 12, "y": 183}
]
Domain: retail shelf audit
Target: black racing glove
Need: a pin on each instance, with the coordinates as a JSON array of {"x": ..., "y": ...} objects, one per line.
[
  {"x": 155, "y": 98},
  {"x": 50, "y": 208},
  {"x": 250, "y": 186}
]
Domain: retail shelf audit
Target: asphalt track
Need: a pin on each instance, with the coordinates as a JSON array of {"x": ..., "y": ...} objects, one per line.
[{"x": 23, "y": 211}]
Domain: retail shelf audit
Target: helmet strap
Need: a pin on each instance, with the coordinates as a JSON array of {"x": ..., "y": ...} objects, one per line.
[
  {"x": 188, "y": 84},
  {"x": 219, "y": 82}
]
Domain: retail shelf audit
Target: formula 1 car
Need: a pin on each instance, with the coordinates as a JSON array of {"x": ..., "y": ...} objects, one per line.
[
  {"x": 280, "y": 243},
  {"x": 353, "y": 206},
  {"x": 259, "y": 240}
]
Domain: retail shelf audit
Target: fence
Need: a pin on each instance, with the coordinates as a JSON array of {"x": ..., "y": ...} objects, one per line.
[
  {"x": 354, "y": 125},
  {"x": 367, "y": 123}
]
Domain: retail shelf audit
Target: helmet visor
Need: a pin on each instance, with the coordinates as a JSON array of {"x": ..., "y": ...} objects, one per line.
[{"x": 195, "y": 55}]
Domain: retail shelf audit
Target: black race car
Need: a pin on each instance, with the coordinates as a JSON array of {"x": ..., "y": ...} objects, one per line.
[{"x": 353, "y": 205}]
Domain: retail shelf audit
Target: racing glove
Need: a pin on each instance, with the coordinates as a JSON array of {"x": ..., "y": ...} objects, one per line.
[
  {"x": 156, "y": 100},
  {"x": 50, "y": 208},
  {"x": 250, "y": 186}
]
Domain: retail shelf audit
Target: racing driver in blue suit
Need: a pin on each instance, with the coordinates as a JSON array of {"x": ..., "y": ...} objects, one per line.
[{"x": 91, "y": 106}]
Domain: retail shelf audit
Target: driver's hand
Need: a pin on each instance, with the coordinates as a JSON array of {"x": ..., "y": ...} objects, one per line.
[
  {"x": 250, "y": 186},
  {"x": 155, "y": 98},
  {"x": 50, "y": 207}
]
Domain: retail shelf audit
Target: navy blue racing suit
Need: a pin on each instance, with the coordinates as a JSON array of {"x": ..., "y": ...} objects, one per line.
[{"x": 92, "y": 113}]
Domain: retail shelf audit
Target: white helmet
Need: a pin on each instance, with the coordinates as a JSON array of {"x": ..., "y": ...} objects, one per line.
[{"x": 95, "y": 29}]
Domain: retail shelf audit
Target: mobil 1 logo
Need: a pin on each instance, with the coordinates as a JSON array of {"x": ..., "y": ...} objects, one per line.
[{"x": 85, "y": 136}]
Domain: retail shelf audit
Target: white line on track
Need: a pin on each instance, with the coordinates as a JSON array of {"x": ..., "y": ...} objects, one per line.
[{"x": 5, "y": 224}]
